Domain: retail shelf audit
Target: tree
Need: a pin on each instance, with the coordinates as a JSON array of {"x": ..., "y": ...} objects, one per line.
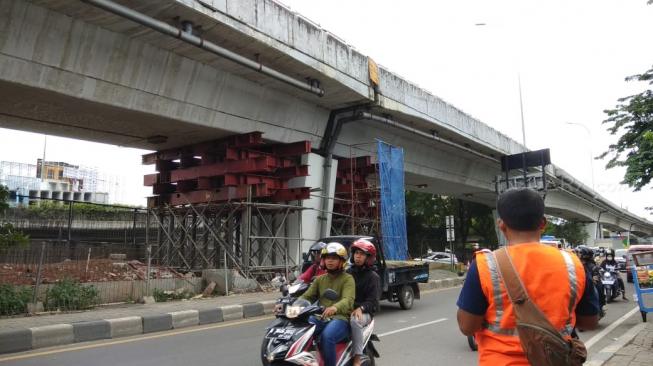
[
  {"x": 632, "y": 118},
  {"x": 573, "y": 232},
  {"x": 425, "y": 222},
  {"x": 9, "y": 236}
]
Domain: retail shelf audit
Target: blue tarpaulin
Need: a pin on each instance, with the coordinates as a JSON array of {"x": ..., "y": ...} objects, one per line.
[{"x": 393, "y": 201}]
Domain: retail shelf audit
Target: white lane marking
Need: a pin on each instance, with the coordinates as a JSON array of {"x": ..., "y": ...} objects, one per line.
[
  {"x": 609, "y": 329},
  {"x": 412, "y": 327}
]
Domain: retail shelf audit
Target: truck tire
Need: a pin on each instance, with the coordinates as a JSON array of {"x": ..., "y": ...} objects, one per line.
[{"x": 406, "y": 297}]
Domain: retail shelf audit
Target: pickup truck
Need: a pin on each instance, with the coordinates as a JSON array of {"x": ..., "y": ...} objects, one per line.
[{"x": 399, "y": 279}]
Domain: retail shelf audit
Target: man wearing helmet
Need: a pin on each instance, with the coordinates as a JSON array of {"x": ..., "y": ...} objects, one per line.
[
  {"x": 315, "y": 269},
  {"x": 610, "y": 261},
  {"x": 363, "y": 256},
  {"x": 333, "y": 323},
  {"x": 586, "y": 256}
]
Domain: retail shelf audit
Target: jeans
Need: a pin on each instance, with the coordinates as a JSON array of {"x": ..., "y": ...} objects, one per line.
[
  {"x": 357, "y": 332},
  {"x": 331, "y": 332}
]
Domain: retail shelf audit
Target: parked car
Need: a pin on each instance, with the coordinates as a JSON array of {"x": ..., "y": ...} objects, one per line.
[
  {"x": 634, "y": 249},
  {"x": 439, "y": 257}
]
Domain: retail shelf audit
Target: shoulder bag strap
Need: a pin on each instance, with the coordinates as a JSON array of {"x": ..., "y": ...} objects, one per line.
[{"x": 525, "y": 310}]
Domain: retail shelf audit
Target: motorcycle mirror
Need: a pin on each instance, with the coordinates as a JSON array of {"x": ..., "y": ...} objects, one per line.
[{"x": 331, "y": 294}]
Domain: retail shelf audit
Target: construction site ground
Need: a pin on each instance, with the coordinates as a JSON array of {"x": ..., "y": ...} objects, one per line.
[{"x": 93, "y": 270}]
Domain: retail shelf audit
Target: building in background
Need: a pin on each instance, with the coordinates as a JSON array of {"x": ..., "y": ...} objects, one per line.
[{"x": 56, "y": 180}]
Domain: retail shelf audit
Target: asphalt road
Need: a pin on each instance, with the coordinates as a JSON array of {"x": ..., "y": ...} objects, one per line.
[{"x": 425, "y": 335}]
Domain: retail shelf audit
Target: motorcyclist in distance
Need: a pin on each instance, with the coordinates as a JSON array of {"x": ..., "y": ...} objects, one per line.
[
  {"x": 610, "y": 261},
  {"x": 315, "y": 269},
  {"x": 586, "y": 256}
]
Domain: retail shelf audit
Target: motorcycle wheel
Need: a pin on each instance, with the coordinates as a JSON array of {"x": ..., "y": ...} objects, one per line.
[
  {"x": 472, "y": 343},
  {"x": 370, "y": 355},
  {"x": 406, "y": 297},
  {"x": 608, "y": 295}
]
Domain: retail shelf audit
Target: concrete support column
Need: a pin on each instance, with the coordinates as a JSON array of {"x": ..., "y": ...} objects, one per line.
[
  {"x": 591, "y": 230},
  {"x": 312, "y": 217}
]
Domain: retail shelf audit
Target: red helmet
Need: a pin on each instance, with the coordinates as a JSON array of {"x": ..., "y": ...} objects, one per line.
[{"x": 366, "y": 247}]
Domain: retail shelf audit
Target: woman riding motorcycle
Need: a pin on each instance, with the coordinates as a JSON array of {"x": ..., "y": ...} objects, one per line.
[
  {"x": 610, "y": 261},
  {"x": 315, "y": 269}
]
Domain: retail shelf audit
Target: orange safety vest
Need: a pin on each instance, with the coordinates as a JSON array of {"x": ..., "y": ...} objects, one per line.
[{"x": 555, "y": 281}]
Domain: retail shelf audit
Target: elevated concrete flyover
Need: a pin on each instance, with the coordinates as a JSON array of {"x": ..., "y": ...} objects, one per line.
[{"x": 74, "y": 69}]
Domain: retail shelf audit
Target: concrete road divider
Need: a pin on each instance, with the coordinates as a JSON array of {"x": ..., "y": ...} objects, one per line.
[
  {"x": 157, "y": 323},
  {"x": 123, "y": 327},
  {"x": 15, "y": 340},
  {"x": 185, "y": 318},
  {"x": 52, "y": 335},
  {"x": 268, "y": 306},
  {"x": 253, "y": 309},
  {"x": 91, "y": 331},
  {"x": 232, "y": 312},
  {"x": 208, "y": 316}
]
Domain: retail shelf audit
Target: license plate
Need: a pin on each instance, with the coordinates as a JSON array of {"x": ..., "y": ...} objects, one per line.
[
  {"x": 280, "y": 333},
  {"x": 608, "y": 282}
]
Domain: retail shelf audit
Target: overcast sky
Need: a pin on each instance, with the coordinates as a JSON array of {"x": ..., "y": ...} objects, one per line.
[{"x": 572, "y": 57}]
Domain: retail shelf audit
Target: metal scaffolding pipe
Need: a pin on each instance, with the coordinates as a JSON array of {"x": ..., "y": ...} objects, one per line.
[{"x": 187, "y": 36}]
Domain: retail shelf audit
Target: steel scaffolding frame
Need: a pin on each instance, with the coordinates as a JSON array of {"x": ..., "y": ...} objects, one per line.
[
  {"x": 362, "y": 199},
  {"x": 252, "y": 238}
]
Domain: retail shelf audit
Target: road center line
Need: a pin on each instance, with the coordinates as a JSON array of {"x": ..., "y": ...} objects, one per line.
[
  {"x": 609, "y": 329},
  {"x": 412, "y": 327}
]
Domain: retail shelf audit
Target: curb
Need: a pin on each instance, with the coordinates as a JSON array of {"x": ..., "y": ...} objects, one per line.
[
  {"x": 61, "y": 334},
  {"x": 441, "y": 284},
  {"x": 606, "y": 353}
]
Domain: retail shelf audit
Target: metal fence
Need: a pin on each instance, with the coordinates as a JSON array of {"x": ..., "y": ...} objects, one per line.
[
  {"x": 77, "y": 276},
  {"x": 71, "y": 221},
  {"x": 81, "y": 255}
]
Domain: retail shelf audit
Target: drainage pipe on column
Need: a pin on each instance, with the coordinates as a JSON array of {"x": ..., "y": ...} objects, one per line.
[
  {"x": 392, "y": 123},
  {"x": 187, "y": 36}
]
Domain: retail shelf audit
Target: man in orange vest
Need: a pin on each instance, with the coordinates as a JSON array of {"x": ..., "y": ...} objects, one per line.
[{"x": 554, "y": 279}]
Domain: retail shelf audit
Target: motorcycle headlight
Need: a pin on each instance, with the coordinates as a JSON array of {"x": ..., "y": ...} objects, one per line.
[
  {"x": 606, "y": 275},
  {"x": 293, "y": 311}
]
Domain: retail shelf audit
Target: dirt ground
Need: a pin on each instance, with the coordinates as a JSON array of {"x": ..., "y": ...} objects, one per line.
[{"x": 95, "y": 270}]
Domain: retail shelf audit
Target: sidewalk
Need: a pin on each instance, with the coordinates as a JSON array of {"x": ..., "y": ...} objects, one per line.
[
  {"x": 25, "y": 333},
  {"x": 634, "y": 348},
  {"x": 639, "y": 352}
]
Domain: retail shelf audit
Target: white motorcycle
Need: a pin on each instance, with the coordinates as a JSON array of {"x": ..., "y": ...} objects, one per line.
[{"x": 610, "y": 283}]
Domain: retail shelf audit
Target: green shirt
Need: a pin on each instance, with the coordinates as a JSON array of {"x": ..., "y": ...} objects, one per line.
[{"x": 343, "y": 284}]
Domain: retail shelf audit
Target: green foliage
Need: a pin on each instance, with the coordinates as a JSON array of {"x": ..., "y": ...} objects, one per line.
[
  {"x": 166, "y": 295},
  {"x": 59, "y": 210},
  {"x": 573, "y": 232},
  {"x": 4, "y": 197},
  {"x": 9, "y": 236},
  {"x": 425, "y": 222},
  {"x": 14, "y": 299},
  {"x": 70, "y": 295},
  {"x": 632, "y": 119}
]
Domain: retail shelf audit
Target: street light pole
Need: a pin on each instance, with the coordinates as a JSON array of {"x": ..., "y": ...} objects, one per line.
[
  {"x": 521, "y": 109},
  {"x": 589, "y": 134}
]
